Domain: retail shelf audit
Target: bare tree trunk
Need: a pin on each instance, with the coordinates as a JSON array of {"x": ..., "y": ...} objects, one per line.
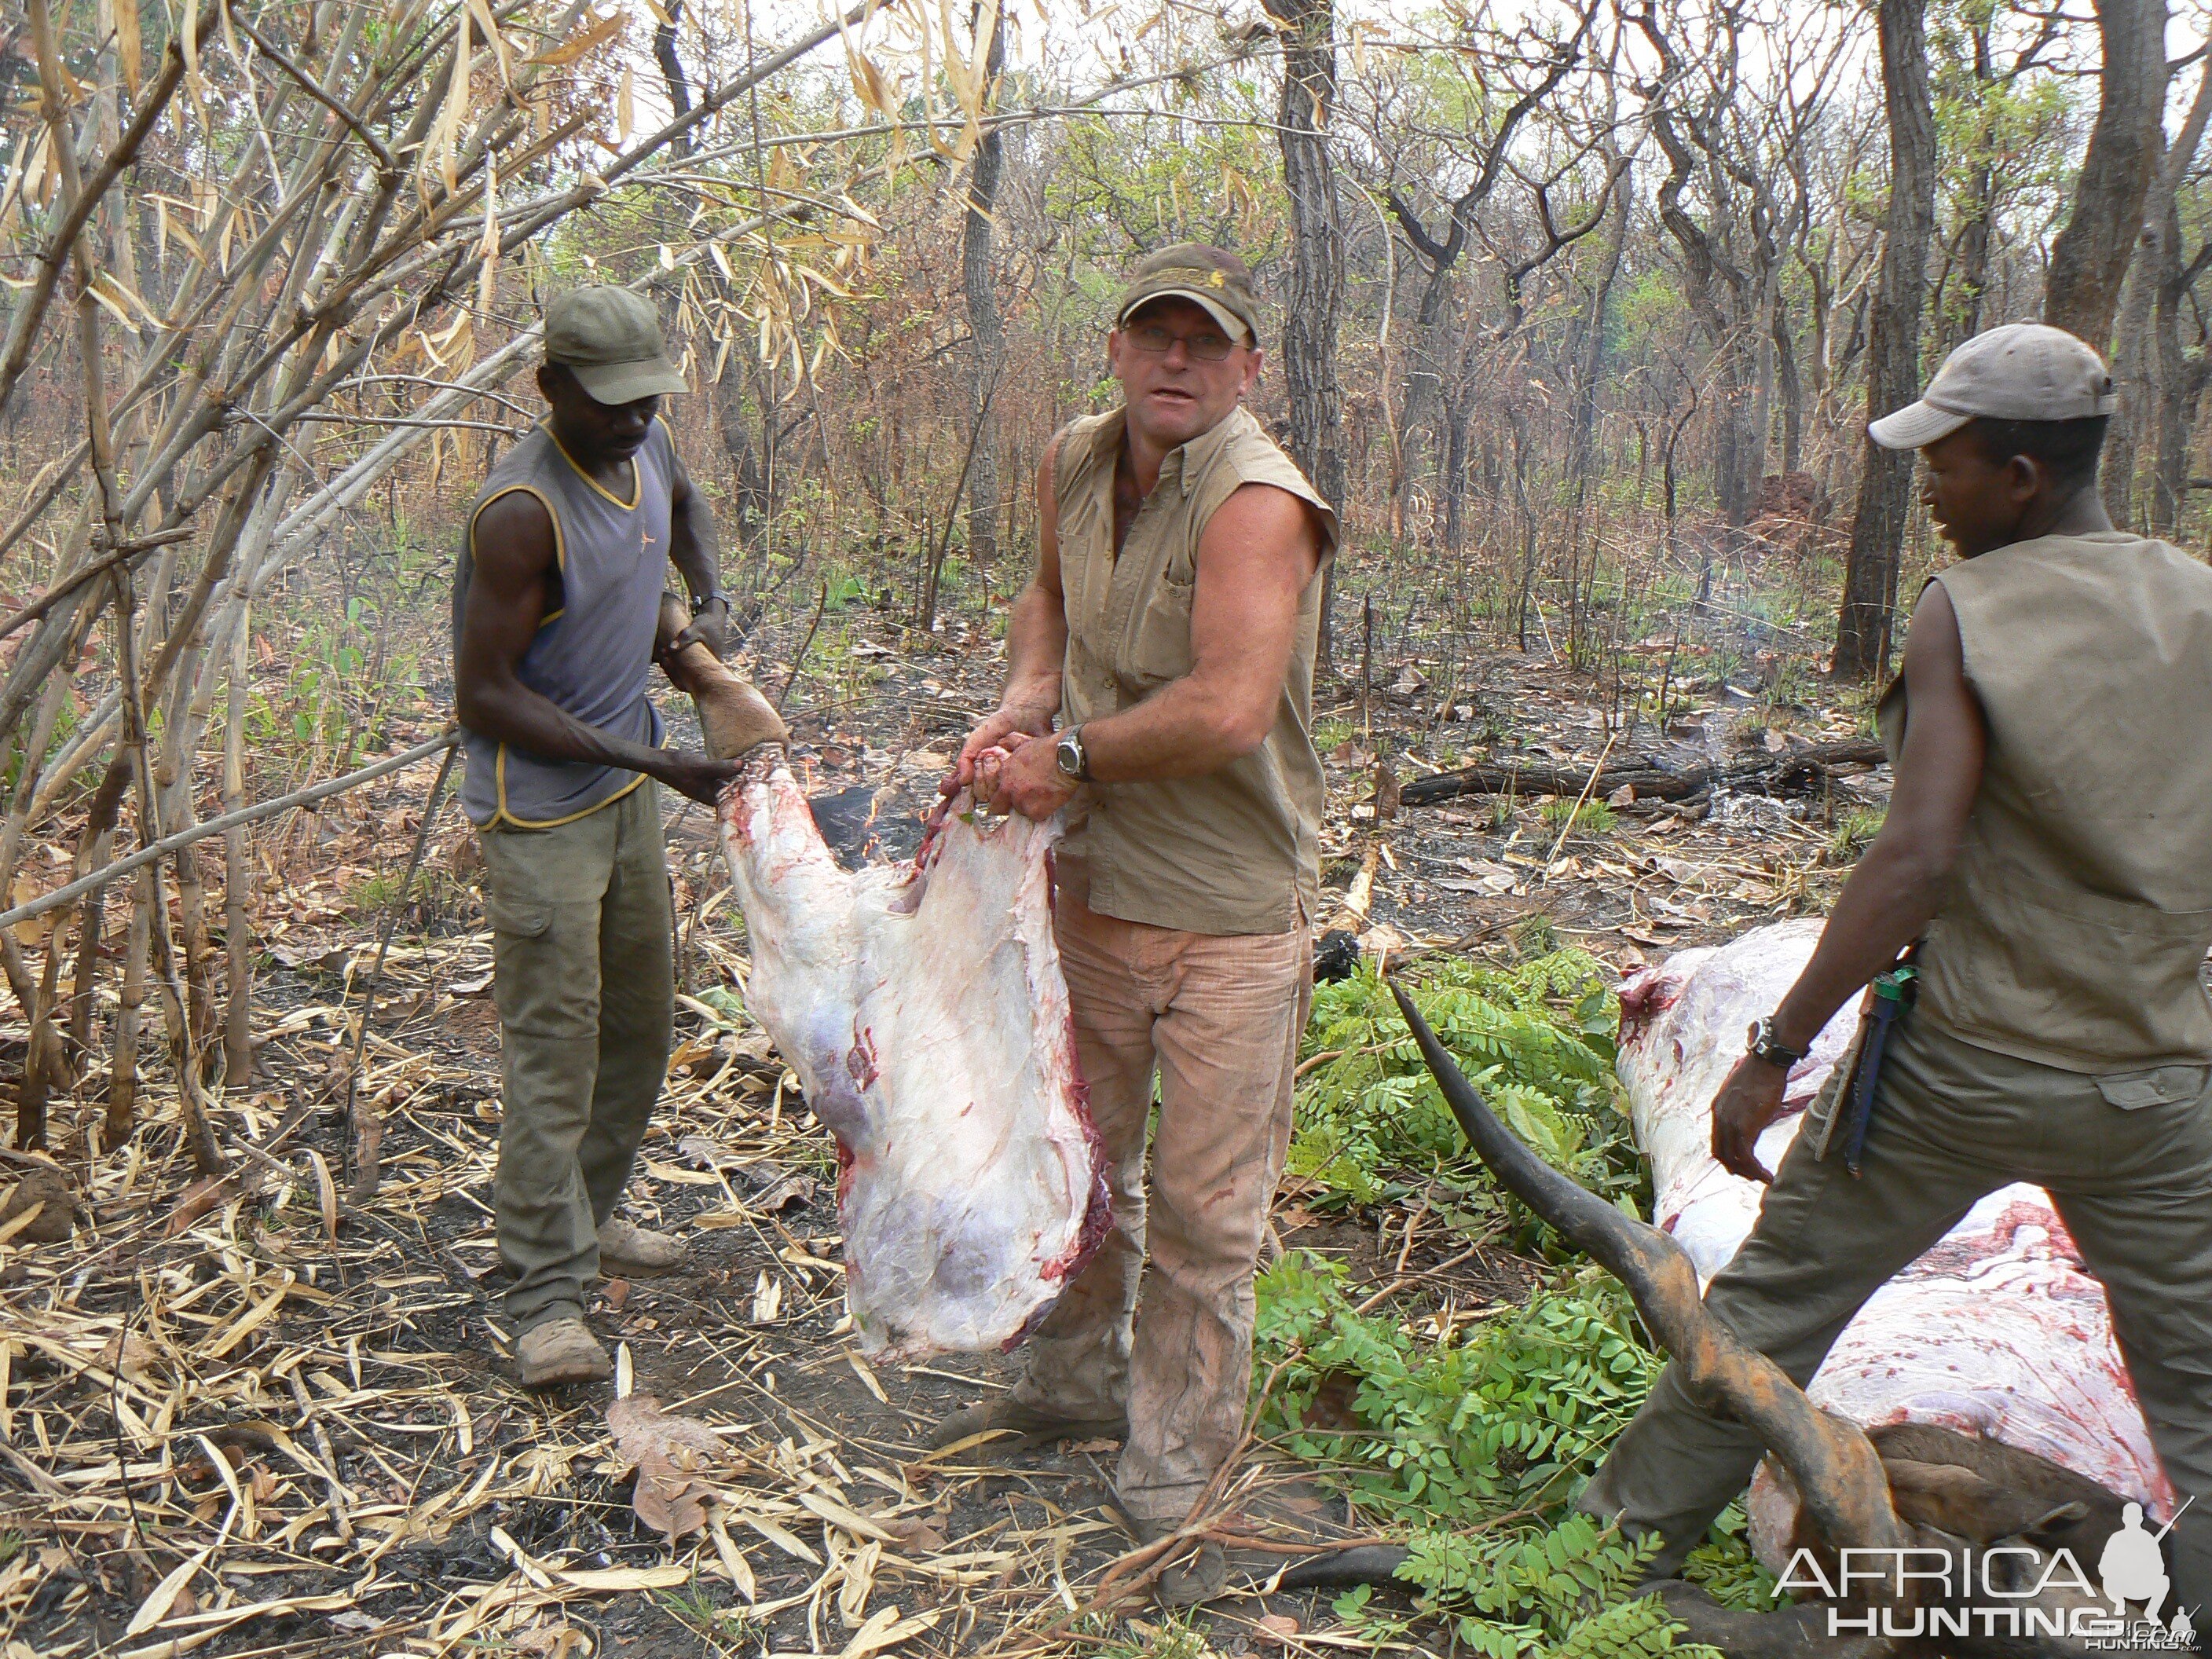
[
  {"x": 738, "y": 444},
  {"x": 1790, "y": 387},
  {"x": 2178, "y": 379},
  {"x": 2131, "y": 370},
  {"x": 1317, "y": 295},
  {"x": 1974, "y": 256},
  {"x": 1870, "y": 568},
  {"x": 238, "y": 1010},
  {"x": 986, "y": 340},
  {"x": 1582, "y": 432},
  {"x": 2089, "y": 260},
  {"x": 123, "y": 1065},
  {"x": 2141, "y": 363},
  {"x": 671, "y": 71}
]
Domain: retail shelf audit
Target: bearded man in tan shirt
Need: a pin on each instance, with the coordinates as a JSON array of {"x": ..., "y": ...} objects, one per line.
[{"x": 1170, "y": 628}]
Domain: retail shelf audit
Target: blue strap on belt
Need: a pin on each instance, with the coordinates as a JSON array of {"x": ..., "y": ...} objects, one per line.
[{"x": 1888, "y": 998}]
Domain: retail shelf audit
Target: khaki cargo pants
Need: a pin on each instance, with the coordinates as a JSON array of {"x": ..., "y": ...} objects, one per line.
[
  {"x": 1219, "y": 1018},
  {"x": 2127, "y": 1159},
  {"x": 583, "y": 968}
]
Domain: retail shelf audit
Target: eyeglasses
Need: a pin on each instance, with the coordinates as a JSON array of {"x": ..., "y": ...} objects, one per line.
[{"x": 1206, "y": 348}]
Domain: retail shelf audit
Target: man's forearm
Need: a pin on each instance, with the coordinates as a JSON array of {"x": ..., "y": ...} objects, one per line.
[
  {"x": 695, "y": 547},
  {"x": 1185, "y": 730},
  {"x": 1036, "y": 645},
  {"x": 517, "y": 715},
  {"x": 1887, "y": 903}
]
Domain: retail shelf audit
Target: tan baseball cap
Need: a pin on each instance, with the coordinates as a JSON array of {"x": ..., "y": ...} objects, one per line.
[
  {"x": 2021, "y": 372},
  {"x": 1206, "y": 275},
  {"x": 610, "y": 338}
]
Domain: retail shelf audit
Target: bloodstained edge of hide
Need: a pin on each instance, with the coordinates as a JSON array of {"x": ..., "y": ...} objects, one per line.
[{"x": 1098, "y": 1214}]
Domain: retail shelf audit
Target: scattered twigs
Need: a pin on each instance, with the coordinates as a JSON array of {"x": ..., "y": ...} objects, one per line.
[
  {"x": 366, "y": 1121},
  {"x": 1575, "y": 812},
  {"x": 1407, "y": 1281},
  {"x": 1132, "y": 1573},
  {"x": 84, "y": 572},
  {"x": 144, "y": 855},
  {"x": 385, "y": 165},
  {"x": 31, "y": 308},
  {"x": 798, "y": 657}
]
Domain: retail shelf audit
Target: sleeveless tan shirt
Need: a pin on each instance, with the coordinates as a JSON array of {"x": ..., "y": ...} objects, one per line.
[
  {"x": 1238, "y": 849},
  {"x": 2080, "y": 909}
]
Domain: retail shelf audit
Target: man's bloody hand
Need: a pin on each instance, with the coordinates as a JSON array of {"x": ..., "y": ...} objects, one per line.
[
  {"x": 1749, "y": 1101},
  {"x": 1006, "y": 722},
  {"x": 1021, "y": 777},
  {"x": 699, "y": 776}
]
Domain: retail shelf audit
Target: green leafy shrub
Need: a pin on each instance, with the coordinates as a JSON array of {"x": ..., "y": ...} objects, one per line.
[
  {"x": 1508, "y": 1420},
  {"x": 1537, "y": 1039},
  {"x": 1480, "y": 1443},
  {"x": 1641, "y": 1626},
  {"x": 1478, "y": 1440},
  {"x": 1726, "y": 1570}
]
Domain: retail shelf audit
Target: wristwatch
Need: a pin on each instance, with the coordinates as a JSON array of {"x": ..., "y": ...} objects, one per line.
[
  {"x": 711, "y": 596},
  {"x": 1067, "y": 755},
  {"x": 1762, "y": 1046}
]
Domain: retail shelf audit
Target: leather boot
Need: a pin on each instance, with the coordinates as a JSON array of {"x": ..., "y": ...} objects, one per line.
[
  {"x": 560, "y": 1351},
  {"x": 629, "y": 1251}
]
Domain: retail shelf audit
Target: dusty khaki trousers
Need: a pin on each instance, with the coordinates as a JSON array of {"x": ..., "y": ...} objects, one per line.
[
  {"x": 583, "y": 968},
  {"x": 1219, "y": 1016},
  {"x": 2128, "y": 1161}
]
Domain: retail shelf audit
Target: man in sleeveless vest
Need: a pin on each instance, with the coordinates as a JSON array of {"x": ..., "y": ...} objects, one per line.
[
  {"x": 2049, "y": 844},
  {"x": 556, "y": 600},
  {"x": 1171, "y": 628}
]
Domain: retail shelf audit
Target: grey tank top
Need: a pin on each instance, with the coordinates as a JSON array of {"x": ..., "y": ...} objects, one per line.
[{"x": 594, "y": 649}]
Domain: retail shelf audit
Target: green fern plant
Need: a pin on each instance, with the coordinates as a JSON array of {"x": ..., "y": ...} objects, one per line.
[
  {"x": 1536, "y": 1038},
  {"x": 1630, "y": 1630},
  {"x": 1453, "y": 1431}
]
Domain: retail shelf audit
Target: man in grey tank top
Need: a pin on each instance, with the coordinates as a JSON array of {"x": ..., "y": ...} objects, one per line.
[
  {"x": 556, "y": 598},
  {"x": 2049, "y": 847}
]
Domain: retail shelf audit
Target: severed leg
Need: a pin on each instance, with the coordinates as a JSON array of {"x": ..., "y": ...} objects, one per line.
[{"x": 734, "y": 716}]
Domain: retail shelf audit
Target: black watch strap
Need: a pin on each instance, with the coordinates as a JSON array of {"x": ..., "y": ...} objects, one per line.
[
  {"x": 1764, "y": 1046},
  {"x": 713, "y": 595}
]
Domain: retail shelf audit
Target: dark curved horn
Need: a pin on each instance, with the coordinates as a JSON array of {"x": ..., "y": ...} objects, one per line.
[{"x": 1838, "y": 1473}]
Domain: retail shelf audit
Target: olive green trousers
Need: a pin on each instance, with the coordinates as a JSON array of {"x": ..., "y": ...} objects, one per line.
[
  {"x": 2127, "y": 1160},
  {"x": 583, "y": 969}
]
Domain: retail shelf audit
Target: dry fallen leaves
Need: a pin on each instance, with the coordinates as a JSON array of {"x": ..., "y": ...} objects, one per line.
[{"x": 669, "y": 1453}]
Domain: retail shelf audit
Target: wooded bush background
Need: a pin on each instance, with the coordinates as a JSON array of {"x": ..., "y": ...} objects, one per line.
[{"x": 1580, "y": 305}]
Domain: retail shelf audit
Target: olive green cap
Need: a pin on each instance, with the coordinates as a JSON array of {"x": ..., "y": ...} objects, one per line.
[
  {"x": 1206, "y": 275},
  {"x": 610, "y": 339}
]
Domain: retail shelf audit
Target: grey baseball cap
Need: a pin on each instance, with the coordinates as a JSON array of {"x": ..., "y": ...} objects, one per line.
[
  {"x": 610, "y": 338},
  {"x": 2021, "y": 372}
]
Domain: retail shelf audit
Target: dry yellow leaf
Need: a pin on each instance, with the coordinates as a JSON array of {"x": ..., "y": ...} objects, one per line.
[{"x": 598, "y": 32}]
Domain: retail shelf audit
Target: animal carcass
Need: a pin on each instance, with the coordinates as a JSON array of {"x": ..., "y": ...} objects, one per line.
[
  {"x": 1935, "y": 1478},
  {"x": 922, "y": 1007},
  {"x": 1998, "y": 1333}
]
